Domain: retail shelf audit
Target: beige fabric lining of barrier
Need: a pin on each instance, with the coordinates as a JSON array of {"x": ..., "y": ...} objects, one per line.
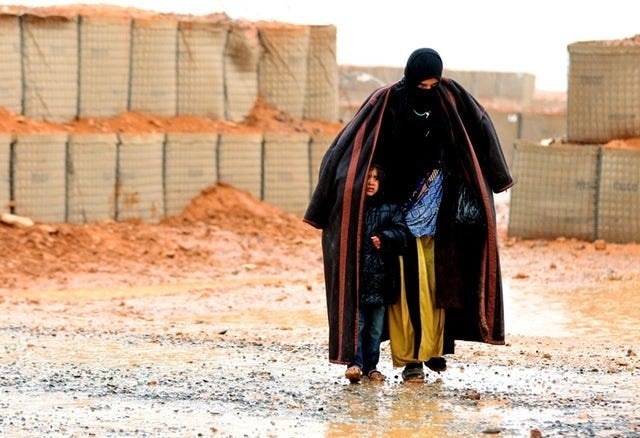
[
  {"x": 190, "y": 166},
  {"x": 39, "y": 175},
  {"x": 91, "y": 176},
  {"x": 104, "y": 66},
  {"x": 555, "y": 191},
  {"x": 140, "y": 184}
]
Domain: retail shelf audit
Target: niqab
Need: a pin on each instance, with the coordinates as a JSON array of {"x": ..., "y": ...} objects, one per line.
[{"x": 422, "y": 64}]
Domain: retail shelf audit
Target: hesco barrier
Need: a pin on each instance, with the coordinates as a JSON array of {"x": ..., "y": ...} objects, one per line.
[
  {"x": 91, "y": 177},
  {"x": 513, "y": 126},
  {"x": 5, "y": 177},
  {"x": 286, "y": 171},
  {"x": 153, "y": 67},
  {"x": 555, "y": 191},
  {"x": 317, "y": 148},
  {"x": 603, "y": 93},
  {"x": 10, "y": 53},
  {"x": 582, "y": 191},
  {"x": 619, "y": 195},
  {"x": 50, "y": 67},
  {"x": 508, "y": 125},
  {"x": 536, "y": 126},
  {"x": 39, "y": 176},
  {"x": 497, "y": 86},
  {"x": 242, "y": 56},
  {"x": 189, "y": 166},
  {"x": 104, "y": 66},
  {"x": 60, "y": 67},
  {"x": 322, "y": 75},
  {"x": 240, "y": 161},
  {"x": 140, "y": 177},
  {"x": 283, "y": 67},
  {"x": 201, "y": 68}
]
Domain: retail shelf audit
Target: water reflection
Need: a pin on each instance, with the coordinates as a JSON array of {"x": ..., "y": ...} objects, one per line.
[
  {"x": 412, "y": 410},
  {"x": 608, "y": 311},
  {"x": 533, "y": 314}
]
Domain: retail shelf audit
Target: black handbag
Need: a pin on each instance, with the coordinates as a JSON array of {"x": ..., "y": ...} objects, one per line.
[{"x": 469, "y": 210}]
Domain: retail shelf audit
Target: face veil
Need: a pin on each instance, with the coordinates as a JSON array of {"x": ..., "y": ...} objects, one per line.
[{"x": 422, "y": 64}]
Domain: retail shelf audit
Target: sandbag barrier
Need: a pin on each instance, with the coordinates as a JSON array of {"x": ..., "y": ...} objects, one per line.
[
  {"x": 585, "y": 192},
  {"x": 89, "y": 177},
  {"x": 57, "y": 68}
]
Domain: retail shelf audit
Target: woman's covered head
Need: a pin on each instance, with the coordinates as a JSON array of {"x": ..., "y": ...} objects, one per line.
[
  {"x": 422, "y": 76},
  {"x": 422, "y": 64}
]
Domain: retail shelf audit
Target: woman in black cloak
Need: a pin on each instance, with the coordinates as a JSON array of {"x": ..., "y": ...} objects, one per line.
[{"x": 441, "y": 152}]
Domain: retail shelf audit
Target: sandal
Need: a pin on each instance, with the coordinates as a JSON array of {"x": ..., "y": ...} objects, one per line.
[
  {"x": 353, "y": 373},
  {"x": 436, "y": 364},
  {"x": 376, "y": 376},
  {"x": 413, "y": 373}
]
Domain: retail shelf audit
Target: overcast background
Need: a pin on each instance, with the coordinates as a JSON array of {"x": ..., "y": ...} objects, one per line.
[{"x": 489, "y": 35}]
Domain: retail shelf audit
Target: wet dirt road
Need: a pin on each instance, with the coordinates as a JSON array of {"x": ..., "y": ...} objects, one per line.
[{"x": 247, "y": 357}]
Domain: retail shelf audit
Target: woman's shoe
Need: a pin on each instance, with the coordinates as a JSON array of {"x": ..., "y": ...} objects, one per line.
[
  {"x": 353, "y": 373},
  {"x": 413, "y": 373},
  {"x": 436, "y": 364}
]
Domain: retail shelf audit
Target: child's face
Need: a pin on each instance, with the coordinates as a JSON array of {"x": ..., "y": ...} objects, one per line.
[{"x": 373, "y": 184}]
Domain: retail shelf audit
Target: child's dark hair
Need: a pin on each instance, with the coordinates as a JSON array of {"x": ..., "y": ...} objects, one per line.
[{"x": 380, "y": 170}]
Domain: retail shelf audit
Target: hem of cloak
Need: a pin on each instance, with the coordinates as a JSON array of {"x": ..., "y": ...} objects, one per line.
[
  {"x": 507, "y": 187},
  {"x": 313, "y": 224}
]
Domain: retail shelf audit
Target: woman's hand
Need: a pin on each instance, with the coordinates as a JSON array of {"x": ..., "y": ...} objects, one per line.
[{"x": 377, "y": 243}]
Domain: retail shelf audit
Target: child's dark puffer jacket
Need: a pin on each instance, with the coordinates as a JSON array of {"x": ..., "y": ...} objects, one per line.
[{"x": 380, "y": 273}]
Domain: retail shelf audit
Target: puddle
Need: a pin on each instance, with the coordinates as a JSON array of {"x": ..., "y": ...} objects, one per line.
[
  {"x": 533, "y": 314},
  {"x": 598, "y": 313},
  {"x": 252, "y": 362}
]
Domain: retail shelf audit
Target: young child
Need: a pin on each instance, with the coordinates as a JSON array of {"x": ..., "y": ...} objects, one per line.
[{"x": 385, "y": 237}]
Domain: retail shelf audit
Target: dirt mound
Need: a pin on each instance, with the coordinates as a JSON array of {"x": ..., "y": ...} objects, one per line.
[
  {"x": 263, "y": 117},
  {"x": 218, "y": 230},
  {"x": 234, "y": 210},
  {"x": 624, "y": 143}
]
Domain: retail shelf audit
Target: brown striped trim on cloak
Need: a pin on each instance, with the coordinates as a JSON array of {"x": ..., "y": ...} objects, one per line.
[
  {"x": 346, "y": 219},
  {"x": 489, "y": 262}
]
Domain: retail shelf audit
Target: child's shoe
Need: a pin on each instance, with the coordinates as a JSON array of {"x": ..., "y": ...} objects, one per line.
[
  {"x": 376, "y": 376},
  {"x": 353, "y": 373}
]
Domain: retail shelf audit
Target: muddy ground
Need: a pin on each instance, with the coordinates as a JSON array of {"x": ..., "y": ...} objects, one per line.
[{"x": 213, "y": 324}]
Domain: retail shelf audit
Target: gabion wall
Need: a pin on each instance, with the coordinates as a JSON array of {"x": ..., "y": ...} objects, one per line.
[
  {"x": 83, "y": 178},
  {"x": 57, "y": 68}
]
